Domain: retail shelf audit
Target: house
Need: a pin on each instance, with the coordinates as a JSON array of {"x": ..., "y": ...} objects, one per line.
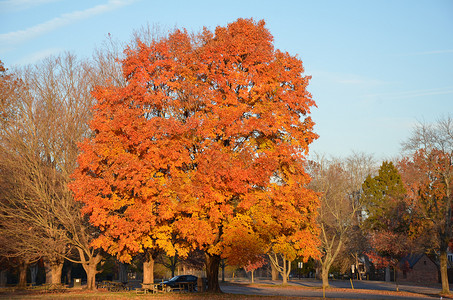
[{"x": 418, "y": 268}]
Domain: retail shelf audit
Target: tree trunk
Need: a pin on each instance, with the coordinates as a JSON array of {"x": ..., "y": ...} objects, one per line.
[
  {"x": 223, "y": 265},
  {"x": 122, "y": 272},
  {"x": 274, "y": 272},
  {"x": 173, "y": 264},
  {"x": 359, "y": 276},
  {"x": 22, "y": 275},
  {"x": 68, "y": 274},
  {"x": 89, "y": 264},
  {"x": 387, "y": 274},
  {"x": 91, "y": 271},
  {"x": 288, "y": 267},
  {"x": 325, "y": 276},
  {"x": 284, "y": 269},
  {"x": 3, "y": 277},
  {"x": 284, "y": 276},
  {"x": 48, "y": 272},
  {"x": 56, "y": 272},
  {"x": 253, "y": 279},
  {"x": 33, "y": 273},
  {"x": 90, "y": 267},
  {"x": 212, "y": 272},
  {"x": 53, "y": 271},
  {"x": 148, "y": 267},
  {"x": 443, "y": 272}
]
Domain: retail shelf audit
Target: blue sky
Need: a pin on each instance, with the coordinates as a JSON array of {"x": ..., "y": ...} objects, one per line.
[{"x": 378, "y": 67}]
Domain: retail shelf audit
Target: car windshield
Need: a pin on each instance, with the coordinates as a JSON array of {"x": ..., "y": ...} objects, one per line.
[{"x": 174, "y": 278}]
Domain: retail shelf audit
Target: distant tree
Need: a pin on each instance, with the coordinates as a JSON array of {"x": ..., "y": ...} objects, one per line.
[
  {"x": 26, "y": 178},
  {"x": 106, "y": 62},
  {"x": 338, "y": 183},
  {"x": 40, "y": 130},
  {"x": 251, "y": 267},
  {"x": 384, "y": 196},
  {"x": 359, "y": 166},
  {"x": 388, "y": 215},
  {"x": 431, "y": 182},
  {"x": 15, "y": 250}
]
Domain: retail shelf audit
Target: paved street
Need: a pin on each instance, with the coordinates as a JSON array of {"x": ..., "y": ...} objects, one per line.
[{"x": 341, "y": 289}]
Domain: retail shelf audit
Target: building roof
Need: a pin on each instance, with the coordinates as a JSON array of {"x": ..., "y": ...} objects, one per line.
[{"x": 413, "y": 259}]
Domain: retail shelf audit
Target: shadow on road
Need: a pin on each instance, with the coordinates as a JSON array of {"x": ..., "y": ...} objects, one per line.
[{"x": 339, "y": 289}]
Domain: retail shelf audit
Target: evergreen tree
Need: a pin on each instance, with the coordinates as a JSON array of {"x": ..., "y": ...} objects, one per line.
[{"x": 384, "y": 199}]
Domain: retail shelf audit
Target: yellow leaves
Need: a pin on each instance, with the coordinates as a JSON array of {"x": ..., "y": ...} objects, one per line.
[
  {"x": 282, "y": 245},
  {"x": 241, "y": 244},
  {"x": 148, "y": 242},
  {"x": 263, "y": 143}
]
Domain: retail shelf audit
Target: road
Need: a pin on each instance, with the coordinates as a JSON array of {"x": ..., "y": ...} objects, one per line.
[{"x": 340, "y": 289}]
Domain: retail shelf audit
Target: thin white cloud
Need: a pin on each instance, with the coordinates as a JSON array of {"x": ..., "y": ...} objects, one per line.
[
  {"x": 346, "y": 78},
  {"x": 434, "y": 52},
  {"x": 413, "y": 93},
  {"x": 18, "y": 5},
  {"x": 359, "y": 81},
  {"x": 20, "y": 36}
]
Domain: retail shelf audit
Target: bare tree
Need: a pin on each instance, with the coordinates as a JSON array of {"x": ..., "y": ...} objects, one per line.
[
  {"x": 25, "y": 174},
  {"x": 107, "y": 63},
  {"x": 107, "y": 58},
  {"x": 38, "y": 154},
  {"x": 338, "y": 182}
]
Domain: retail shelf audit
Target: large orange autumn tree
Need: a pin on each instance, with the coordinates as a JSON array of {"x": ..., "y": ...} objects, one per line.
[{"x": 209, "y": 134}]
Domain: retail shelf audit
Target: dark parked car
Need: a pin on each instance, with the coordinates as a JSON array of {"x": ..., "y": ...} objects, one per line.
[{"x": 187, "y": 282}]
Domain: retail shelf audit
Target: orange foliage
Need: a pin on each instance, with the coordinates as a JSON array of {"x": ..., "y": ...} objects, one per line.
[
  {"x": 209, "y": 128},
  {"x": 428, "y": 183}
]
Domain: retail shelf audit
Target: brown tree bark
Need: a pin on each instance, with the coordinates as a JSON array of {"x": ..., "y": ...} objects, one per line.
[
  {"x": 3, "y": 277},
  {"x": 212, "y": 272},
  {"x": 90, "y": 267},
  {"x": 274, "y": 272},
  {"x": 56, "y": 270},
  {"x": 443, "y": 272},
  {"x": 33, "y": 273},
  {"x": 91, "y": 271},
  {"x": 22, "y": 274},
  {"x": 68, "y": 274},
  {"x": 325, "y": 277},
  {"x": 53, "y": 271},
  {"x": 283, "y": 269},
  {"x": 284, "y": 273},
  {"x": 148, "y": 267}
]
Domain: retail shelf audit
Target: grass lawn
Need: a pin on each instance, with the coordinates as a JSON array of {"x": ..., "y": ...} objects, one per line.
[
  {"x": 78, "y": 293},
  {"x": 83, "y": 294}
]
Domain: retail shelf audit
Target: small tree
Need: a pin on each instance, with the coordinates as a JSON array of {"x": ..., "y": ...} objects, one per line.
[{"x": 252, "y": 266}]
